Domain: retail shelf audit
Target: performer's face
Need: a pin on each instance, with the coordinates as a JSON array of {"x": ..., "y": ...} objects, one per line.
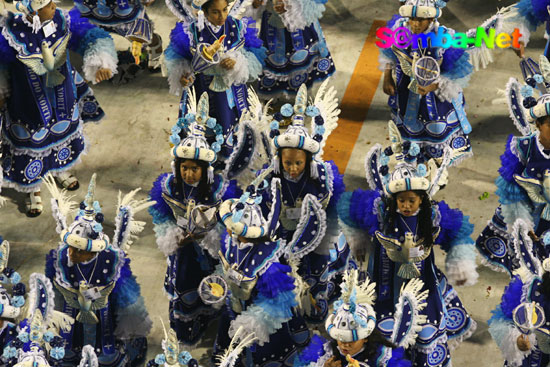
[
  {"x": 191, "y": 172},
  {"x": 217, "y": 12},
  {"x": 408, "y": 202},
  {"x": 419, "y": 25},
  {"x": 47, "y": 12},
  {"x": 79, "y": 256},
  {"x": 294, "y": 161},
  {"x": 351, "y": 348},
  {"x": 543, "y": 124}
]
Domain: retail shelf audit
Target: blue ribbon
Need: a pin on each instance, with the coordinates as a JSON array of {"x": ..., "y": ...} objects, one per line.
[
  {"x": 461, "y": 114},
  {"x": 411, "y": 114}
]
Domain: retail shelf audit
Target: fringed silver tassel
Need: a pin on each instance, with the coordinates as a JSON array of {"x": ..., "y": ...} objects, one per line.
[
  {"x": 210, "y": 174},
  {"x": 36, "y": 24},
  {"x": 314, "y": 172},
  {"x": 276, "y": 167}
]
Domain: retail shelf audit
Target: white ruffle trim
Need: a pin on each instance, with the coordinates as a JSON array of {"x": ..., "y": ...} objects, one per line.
[
  {"x": 512, "y": 212},
  {"x": 384, "y": 62},
  {"x": 301, "y": 13},
  {"x": 239, "y": 74},
  {"x": 133, "y": 321},
  {"x": 458, "y": 270},
  {"x": 453, "y": 343},
  {"x": 212, "y": 241},
  {"x": 505, "y": 334},
  {"x": 509, "y": 19},
  {"x": 95, "y": 59},
  {"x": 168, "y": 236},
  {"x": 174, "y": 70},
  {"x": 448, "y": 89}
]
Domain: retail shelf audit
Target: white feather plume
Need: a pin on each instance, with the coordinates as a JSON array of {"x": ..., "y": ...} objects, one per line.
[
  {"x": 365, "y": 293},
  {"x": 238, "y": 343},
  {"x": 131, "y": 206},
  {"x": 62, "y": 203},
  {"x": 412, "y": 293},
  {"x": 327, "y": 103},
  {"x": 192, "y": 100},
  {"x": 238, "y": 7}
]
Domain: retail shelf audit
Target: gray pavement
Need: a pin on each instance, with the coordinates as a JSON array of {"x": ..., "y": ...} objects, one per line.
[{"x": 129, "y": 149}]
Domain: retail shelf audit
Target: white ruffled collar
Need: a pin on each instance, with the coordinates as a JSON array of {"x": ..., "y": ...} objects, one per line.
[
  {"x": 214, "y": 28},
  {"x": 288, "y": 177}
]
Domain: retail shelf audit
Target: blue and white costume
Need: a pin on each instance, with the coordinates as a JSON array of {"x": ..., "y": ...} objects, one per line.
[
  {"x": 438, "y": 119},
  {"x": 36, "y": 340},
  {"x": 325, "y": 255},
  {"x": 47, "y": 100},
  {"x": 261, "y": 291},
  {"x": 396, "y": 253},
  {"x": 297, "y": 51},
  {"x": 522, "y": 183},
  {"x": 354, "y": 319},
  {"x": 226, "y": 88},
  {"x": 524, "y": 309},
  {"x": 175, "y": 216},
  {"x": 101, "y": 294}
]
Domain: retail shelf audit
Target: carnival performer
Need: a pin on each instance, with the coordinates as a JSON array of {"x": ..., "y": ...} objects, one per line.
[
  {"x": 93, "y": 280},
  {"x": 262, "y": 293},
  {"x": 295, "y": 158},
  {"x": 185, "y": 218},
  {"x": 218, "y": 53},
  {"x": 525, "y": 170},
  {"x": 405, "y": 224},
  {"x": 426, "y": 96},
  {"x": 42, "y": 121},
  {"x": 129, "y": 19},
  {"x": 518, "y": 324},
  {"x": 297, "y": 51},
  {"x": 10, "y": 304},
  {"x": 36, "y": 340},
  {"x": 355, "y": 340}
]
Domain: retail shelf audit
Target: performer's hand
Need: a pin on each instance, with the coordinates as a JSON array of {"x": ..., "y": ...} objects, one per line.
[
  {"x": 228, "y": 64},
  {"x": 523, "y": 343},
  {"x": 279, "y": 6},
  {"x": 332, "y": 362},
  {"x": 103, "y": 74},
  {"x": 257, "y": 3},
  {"x": 425, "y": 90},
  {"x": 533, "y": 236},
  {"x": 186, "y": 80},
  {"x": 521, "y": 50},
  {"x": 389, "y": 84}
]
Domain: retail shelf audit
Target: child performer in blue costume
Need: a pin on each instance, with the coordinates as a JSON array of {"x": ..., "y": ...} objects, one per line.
[
  {"x": 36, "y": 340},
  {"x": 352, "y": 328},
  {"x": 185, "y": 217},
  {"x": 405, "y": 225},
  {"x": 40, "y": 91},
  {"x": 524, "y": 174},
  {"x": 426, "y": 97},
  {"x": 297, "y": 52},
  {"x": 519, "y": 324},
  {"x": 218, "y": 55},
  {"x": 298, "y": 164},
  {"x": 262, "y": 294},
  {"x": 11, "y": 305},
  {"x": 93, "y": 280}
]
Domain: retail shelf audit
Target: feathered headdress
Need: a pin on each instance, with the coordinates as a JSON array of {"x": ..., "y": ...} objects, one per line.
[
  {"x": 238, "y": 343},
  {"x": 323, "y": 113},
  {"x": 422, "y": 8},
  {"x": 410, "y": 172},
  {"x": 524, "y": 107},
  {"x": 173, "y": 355},
  {"x": 243, "y": 216},
  {"x": 86, "y": 232},
  {"x": 189, "y": 133},
  {"x": 354, "y": 317}
]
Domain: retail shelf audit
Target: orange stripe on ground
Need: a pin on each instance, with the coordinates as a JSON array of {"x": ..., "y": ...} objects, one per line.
[{"x": 356, "y": 102}]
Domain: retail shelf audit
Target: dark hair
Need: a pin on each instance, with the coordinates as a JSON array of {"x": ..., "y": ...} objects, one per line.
[
  {"x": 424, "y": 216},
  {"x": 545, "y": 285},
  {"x": 206, "y": 6},
  {"x": 307, "y": 169},
  {"x": 205, "y": 191},
  {"x": 374, "y": 340},
  {"x": 543, "y": 120}
]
